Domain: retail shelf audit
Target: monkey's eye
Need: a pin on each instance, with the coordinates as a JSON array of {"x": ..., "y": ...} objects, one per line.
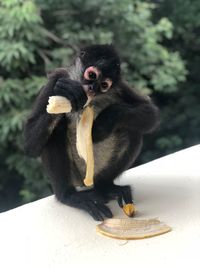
[
  {"x": 105, "y": 85},
  {"x": 91, "y": 73}
]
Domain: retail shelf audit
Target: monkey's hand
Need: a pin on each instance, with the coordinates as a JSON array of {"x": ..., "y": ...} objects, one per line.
[
  {"x": 91, "y": 202},
  {"x": 73, "y": 91}
]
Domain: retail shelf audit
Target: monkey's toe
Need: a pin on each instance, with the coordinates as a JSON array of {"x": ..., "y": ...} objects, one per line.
[{"x": 98, "y": 211}]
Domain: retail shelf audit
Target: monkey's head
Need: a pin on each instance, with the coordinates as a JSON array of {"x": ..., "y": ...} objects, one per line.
[{"x": 101, "y": 68}]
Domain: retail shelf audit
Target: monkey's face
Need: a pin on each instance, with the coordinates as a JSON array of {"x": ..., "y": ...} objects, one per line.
[
  {"x": 101, "y": 68},
  {"x": 94, "y": 83}
]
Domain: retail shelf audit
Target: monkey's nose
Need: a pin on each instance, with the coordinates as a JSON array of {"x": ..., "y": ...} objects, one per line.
[
  {"x": 90, "y": 91},
  {"x": 94, "y": 87},
  {"x": 90, "y": 88}
]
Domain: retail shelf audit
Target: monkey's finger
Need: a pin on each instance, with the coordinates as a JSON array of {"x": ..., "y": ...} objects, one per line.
[
  {"x": 61, "y": 91},
  {"x": 127, "y": 202},
  {"x": 120, "y": 200},
  {"x": 73, "y": 91},
  {"x": 94, "y": 212},
  {"x": 105, "y": 210},
  {"x": 127, "y": 195},
  {"x": 64, "y": 86}
]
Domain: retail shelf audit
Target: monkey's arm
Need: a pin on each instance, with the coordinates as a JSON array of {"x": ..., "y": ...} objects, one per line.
[
  {"x": 141, "y": 117},
  {"x": 40, "y": 124},
  {"x": 62, "y": 170},
  {"x": 36, "y": 132},
  {"x": 137, "y": 111}
]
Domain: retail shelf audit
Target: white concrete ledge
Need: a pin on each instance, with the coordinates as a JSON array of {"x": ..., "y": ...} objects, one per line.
[{"x": 47, "y": 233}]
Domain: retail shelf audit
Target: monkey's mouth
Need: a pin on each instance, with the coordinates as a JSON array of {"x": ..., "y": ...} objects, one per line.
[{"x": 88, "y": 88}]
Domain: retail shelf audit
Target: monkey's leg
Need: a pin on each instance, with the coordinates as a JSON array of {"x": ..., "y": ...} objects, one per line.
[
  {"x": 104, "y": 180},
  {"x": 61, "y": 170}
]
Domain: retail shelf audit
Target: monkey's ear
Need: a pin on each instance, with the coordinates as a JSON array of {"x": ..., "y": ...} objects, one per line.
[
  {"x": 82, "y": 53},
  {"x": 57, "y": 73}
]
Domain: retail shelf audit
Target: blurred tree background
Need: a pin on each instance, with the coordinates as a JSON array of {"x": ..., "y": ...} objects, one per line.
[{"x": 159, "y": 44}]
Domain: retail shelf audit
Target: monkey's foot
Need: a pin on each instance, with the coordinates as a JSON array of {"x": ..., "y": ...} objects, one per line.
[
  {"x": 123, "y": 195},
  {"x": 91, "y": 202}
]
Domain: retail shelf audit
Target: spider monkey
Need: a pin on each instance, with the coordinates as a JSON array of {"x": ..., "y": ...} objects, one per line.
[{"x": 122, "y": 117}]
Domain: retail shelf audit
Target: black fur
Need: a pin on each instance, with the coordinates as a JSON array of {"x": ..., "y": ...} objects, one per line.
[
  {"x": 122, "y": 117},
  {"x": 104, "y": 57},
  {"x": 74, "y": 92}
]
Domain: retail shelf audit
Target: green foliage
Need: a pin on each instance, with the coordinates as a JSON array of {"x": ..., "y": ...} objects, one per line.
[
  {"x": 20, "y": 34},
  {"x": 180, "y": 126},
  {"x": 16, "y": 96},
  {"x": 37, "y": 36},
  {"x": 21, "y": 38},
  {"x": 127, "y": 24}
]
